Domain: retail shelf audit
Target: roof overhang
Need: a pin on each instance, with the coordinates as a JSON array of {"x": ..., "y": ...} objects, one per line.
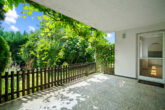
[{"x": 111, "y": 15}]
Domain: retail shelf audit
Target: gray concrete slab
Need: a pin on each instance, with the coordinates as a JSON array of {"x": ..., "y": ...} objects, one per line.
[{"x": 96, "y": 92}]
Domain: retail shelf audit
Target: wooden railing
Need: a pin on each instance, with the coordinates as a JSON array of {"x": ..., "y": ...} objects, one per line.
[{"x": 21, "y": 83}]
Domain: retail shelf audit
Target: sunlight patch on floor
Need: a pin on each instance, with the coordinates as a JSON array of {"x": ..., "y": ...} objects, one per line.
[
  {"x": 65, "y": 98},
  {"x": 98, "y": 78}
]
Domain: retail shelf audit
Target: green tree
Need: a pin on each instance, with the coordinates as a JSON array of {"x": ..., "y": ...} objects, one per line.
[
  {"x": 2, "y": 12},
  {"x": 15, "y": 41},
  {"x": 28, "y": 50},
  {"x": 77, "y": 51},
  {"x": 4, "y": 54}
]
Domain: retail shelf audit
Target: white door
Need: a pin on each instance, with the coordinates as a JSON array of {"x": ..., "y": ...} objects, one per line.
[{"x": 151, "y": 56}]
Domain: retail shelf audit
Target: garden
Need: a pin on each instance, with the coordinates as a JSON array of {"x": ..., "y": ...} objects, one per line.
[{"x": 61, "y": 49}]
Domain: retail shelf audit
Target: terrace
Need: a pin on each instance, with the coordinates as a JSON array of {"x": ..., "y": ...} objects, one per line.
[
  {"x": 138, "y": 25},
  {"x": 96, "y": 92}
]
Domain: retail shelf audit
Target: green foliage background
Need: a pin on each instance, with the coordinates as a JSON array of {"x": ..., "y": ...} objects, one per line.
[
  {"x": 4, "y": 54},
  {"x": 15, "y": 41},
  {"x": 60, "y": 39}
]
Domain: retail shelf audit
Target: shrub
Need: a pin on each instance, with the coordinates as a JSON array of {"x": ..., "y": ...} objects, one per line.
[{"x": 4, "y": 54}]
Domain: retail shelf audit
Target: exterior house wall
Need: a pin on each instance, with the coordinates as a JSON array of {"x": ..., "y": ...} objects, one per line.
[{"x": 126, "y": 49}]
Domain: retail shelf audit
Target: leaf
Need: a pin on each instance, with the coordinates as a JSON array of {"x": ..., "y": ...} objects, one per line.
[
  {"x": 32, "y": 52},
  {"x": 24, "y": 17},
  {"x": 51, "y": 26},
  {"x": 45, "y": 17},
  {"x": 25, "y": 7},
  {"x": 43, "y": 58},
  {"x": 36, "y": 9},
  {"x": 48, "y": 24},
  {"x": 42, "y": 34},
  {"x": 31, "y": 8},
  {"x": 23, "y": 12},
  {"x": 29, "y": 13},
  {"x": 47, "y": 30},
  {"x": 49, "y": 34},
  {"x": 39, "y": 17},
  {"x": 5, "y": 8}
]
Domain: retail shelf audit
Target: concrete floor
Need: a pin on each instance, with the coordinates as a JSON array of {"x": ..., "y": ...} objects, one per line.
[{"x": 96, "y": 92}]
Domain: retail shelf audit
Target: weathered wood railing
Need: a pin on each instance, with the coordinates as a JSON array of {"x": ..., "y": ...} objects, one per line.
[{"x": 21, "y": 83}]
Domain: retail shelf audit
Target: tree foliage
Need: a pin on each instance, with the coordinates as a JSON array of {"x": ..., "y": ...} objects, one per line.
[
  {"x": 60, "y": 39},
  {"x": 105, "y": 54},
  {"x": 55, "y": 47},
  {"x": 4, "y": 54},
  {"x": 77, "y": 50},
  {"x": 15, "y": 41},
  {"x": 2, "y": 12}
]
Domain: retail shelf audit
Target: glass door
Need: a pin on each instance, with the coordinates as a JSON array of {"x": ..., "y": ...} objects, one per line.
[{"x": 151, "y": 56}]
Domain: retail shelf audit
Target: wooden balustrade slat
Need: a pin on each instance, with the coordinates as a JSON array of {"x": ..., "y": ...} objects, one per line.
[
  {"x": 6, "y": 86},
  {"x": 12, "y": 85},
  {"x": 63, "y": 72},
  {"x": 66, "y": 74},
  {"x": 32, "y": 80},
  {"x": 58, "y": 77},
  {"x": 23, "y": 83},
  {"x": 37, "y": 78},
  {"x": 45, "y": 77},
  {"x": 55, "y": 76},
  {"x": 73, "y": 73},
  {"x": 41, "y": 78},
  {"x": 17, "y": 83},
  {"x": 48, "y": 77},
  {"x": 28, "y": 82},
  {"x": 52, "y": 76}
]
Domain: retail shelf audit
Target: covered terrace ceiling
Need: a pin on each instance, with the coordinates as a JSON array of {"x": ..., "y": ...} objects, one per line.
[{"x": 111, "y": 15}]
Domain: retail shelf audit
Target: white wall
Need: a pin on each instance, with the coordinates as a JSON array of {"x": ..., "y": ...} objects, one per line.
[{"x": 125, "y": 50}]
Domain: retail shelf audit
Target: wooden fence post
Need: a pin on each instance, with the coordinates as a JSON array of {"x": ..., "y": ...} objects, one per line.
[
  {"x": 41, "y": 78},
  {"x": 86, "y": 68},
  {"x": 17, "y": 83},
  {"x": 61, "y": 73},
  {"x": 52, "y": 76},
  {"x": 32, "y": 80},
  {"x": 48, "y": 77},
  {"x": 66, "y": 74},
  {"x": 45, "y": 77},
  {"x": 55, "y": 76},
  {"x": 73, "y": 72},
  {"x": 12, "y": 85},
  {"x": 23, "y": 83},
  {"x": 6, "y": 86},
  {"x": 28, "y": 82},
  {"x": 58, "y": 77},
  {"x": 95, "y": 67},
  {"x": 37, "y": 79}
]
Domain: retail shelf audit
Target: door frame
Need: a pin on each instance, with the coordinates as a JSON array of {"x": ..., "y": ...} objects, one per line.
[{"x": 152, "y": 79}]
